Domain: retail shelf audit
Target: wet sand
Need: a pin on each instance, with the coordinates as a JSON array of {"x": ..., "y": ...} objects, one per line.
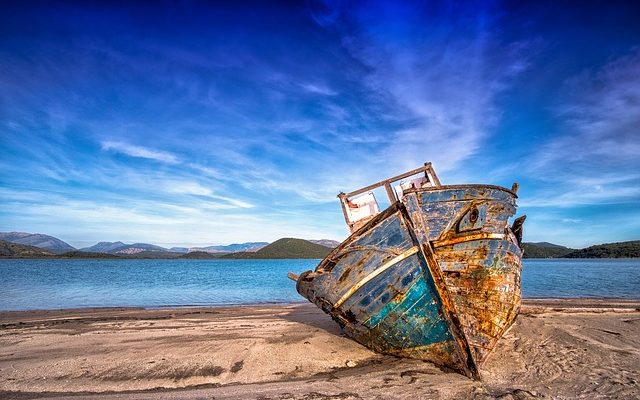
[{"x": 557, "y": 349}]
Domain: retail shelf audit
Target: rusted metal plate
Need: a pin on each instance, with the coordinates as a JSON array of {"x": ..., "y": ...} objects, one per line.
[
  {"x": 435, "y": 276},
  {"x": 478, "y": 255}
]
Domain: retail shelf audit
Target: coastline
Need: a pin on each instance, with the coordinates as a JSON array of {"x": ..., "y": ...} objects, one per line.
[
  {"x": 573, "y": 303},
  {"x": 565, "y": 348},
  {"x": 108, "y": 256}
]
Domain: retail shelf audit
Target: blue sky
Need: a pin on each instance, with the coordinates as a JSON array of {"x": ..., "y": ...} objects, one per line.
[{"x": 187, "y": 123}]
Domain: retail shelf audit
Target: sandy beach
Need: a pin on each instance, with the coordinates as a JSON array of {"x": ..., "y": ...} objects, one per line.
[{"x": 556, "y": 349}]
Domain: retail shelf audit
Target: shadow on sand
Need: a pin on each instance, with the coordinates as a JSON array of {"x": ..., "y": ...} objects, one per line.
[{"x": 310, "y": 315}]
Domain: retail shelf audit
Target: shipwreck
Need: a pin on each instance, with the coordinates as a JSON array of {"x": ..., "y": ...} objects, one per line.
[{"x": 435, "y": 276}]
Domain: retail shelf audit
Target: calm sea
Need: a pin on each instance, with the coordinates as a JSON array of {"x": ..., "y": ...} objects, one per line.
[{"x": 48, "y": 284}]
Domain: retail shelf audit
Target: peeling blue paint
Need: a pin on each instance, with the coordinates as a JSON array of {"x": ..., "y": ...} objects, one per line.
[{"x": 395, "y": 291}]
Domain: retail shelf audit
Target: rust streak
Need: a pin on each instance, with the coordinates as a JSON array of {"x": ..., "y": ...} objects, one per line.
[{"x": 468, "y": 238}]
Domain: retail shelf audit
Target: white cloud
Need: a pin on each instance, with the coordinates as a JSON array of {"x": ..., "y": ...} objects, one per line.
[
  {"x": 601, "y": 116},
  {"x": 211, "y": 172},
  {"x": 179, "y": 187},
  {"x": 594, "y": 160},
  {"x": 195, "y": 188},
  {"x": 146, "y": 220},
  {"x": 565, "y": 196},
  {"x": 441, "y": 71},
  {"x": 140, "y": 152},
  {"x": 318, "y": 88},
  {"x": 234, "y": 202}
]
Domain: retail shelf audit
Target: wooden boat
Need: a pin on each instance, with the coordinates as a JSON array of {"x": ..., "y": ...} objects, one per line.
[{"x": 435, "y": 276}]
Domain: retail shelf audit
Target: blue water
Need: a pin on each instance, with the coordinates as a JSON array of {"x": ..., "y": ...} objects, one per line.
[
  {"x": 48, "y": 284},
  {"x": 619, "y": 278}
]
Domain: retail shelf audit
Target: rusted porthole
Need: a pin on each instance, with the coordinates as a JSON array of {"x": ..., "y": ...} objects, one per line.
[
  {"x": 473, "y": 218},
  {"x": 473, "y": 215}
]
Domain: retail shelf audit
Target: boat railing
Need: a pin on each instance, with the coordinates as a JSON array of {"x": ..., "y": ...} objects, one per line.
[{"x": 359, "y": 206}]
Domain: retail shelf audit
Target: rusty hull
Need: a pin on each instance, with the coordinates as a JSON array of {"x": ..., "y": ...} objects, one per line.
[{"x": 436, "y": 276}]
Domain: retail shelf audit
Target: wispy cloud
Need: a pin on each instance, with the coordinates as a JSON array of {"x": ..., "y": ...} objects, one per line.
[
  {"x": 570, "y": 196},
  {"x": 240, "y": 134},
  {"x": 594, "y": 157},
  {"x": 195, "y": 188},
  {"x": 318, "y": 89},
  {"x": 601, "y": 114},
  {"x": 582, "y": 226},
  {"x": 441, "y": 69},
  {"x": 234, "y": 202},
  {"x": 187, "y": 188},
  {"x": 140, "y": 152},
  {"x": 198, "y": 222}
]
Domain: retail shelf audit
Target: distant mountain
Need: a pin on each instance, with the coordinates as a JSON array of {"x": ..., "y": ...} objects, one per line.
[
  {"x": 19, "y": 245},
  {"x": 103, "y": 247},
  {"x": 122, "y": 248},
  {"x": 545, "y": 250},
  {"x": 154, "y": 254},
  {"x": 145, "y": 249},
  {"x": 149, "y": 254},
  {"x": 629, "y": 249},
  {"x": 45, "y": 242},
  {"x": 15, "y": 250},
  {"x": 332, "y": 244},
  {"x": 232, "y": 248},
  {"x": 285, "y": 248},
  {"x": 137, "y": 248}
]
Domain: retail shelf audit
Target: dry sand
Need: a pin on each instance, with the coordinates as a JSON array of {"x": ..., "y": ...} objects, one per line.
[{"x": 556, "y": 349}]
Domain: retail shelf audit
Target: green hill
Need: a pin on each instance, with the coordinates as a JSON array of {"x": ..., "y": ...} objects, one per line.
[
  {"x": 629, "y": 249},
  {"x": 545, "y": 250},
  {"x": 85, "y": 254},
  {"x": 284, "y": 248},
  {"x": 15, "y": 250},
  {"x": 200, "y": 255},
  {"x": 153, "y": 254}
]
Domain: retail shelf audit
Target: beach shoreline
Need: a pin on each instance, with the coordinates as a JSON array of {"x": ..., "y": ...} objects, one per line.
[
  {"x": 563, "y": 348},
  {"x": 566, "y": 302}
]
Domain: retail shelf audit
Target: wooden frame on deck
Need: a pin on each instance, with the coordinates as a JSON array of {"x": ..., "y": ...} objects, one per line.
[{"x": 427, "y": 169}]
